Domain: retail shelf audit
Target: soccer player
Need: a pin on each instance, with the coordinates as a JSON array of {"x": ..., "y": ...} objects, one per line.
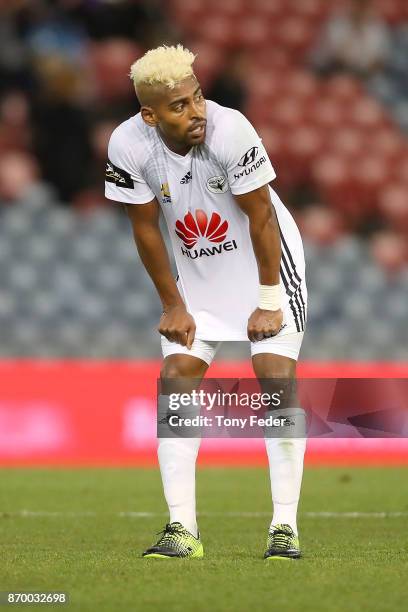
[{"x": 240, "y": 262}]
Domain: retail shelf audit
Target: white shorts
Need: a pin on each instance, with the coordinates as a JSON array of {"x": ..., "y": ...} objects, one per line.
[{"x": 287, "y": 345}]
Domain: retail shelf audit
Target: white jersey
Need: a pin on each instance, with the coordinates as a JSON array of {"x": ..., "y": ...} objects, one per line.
[{"x": 217, "y": 270}]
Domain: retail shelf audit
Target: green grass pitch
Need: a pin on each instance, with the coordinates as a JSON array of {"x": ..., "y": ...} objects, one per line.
[{"x": 73, "y": 530}]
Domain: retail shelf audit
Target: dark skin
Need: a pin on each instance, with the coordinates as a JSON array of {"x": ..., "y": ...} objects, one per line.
[{"x": 179, "y": 114}]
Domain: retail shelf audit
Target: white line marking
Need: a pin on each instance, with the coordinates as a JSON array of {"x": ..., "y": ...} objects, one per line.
[{"x": 137, "y": 515}]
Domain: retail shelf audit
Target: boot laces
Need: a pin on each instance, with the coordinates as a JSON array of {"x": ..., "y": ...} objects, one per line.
[
  {"x": 280, "y": 538},
  {"x": 168, "y": 533}
]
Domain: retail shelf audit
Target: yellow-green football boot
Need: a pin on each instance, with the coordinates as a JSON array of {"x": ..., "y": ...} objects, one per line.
[
  {"x": 282, "y": 543},
  {"x": 175, "y": 542}
]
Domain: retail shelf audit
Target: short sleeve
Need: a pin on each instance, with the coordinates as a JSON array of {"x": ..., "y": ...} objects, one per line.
[
  {"x": 123, "y": 180},
  {"x": 244, "y": 156}
]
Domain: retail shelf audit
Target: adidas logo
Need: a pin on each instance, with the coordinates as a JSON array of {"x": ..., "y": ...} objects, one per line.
[{"x": 187, "y": 178}]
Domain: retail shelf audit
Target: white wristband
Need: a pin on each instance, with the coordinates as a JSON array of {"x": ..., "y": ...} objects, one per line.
[{"x": 270, "y": 297}]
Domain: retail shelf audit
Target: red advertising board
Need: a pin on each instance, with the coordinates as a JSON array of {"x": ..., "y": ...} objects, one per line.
[{"x": 104, "y": 413}]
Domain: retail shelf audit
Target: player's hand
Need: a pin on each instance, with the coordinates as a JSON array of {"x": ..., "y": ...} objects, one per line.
[
  {"x": 177, "y": 325},
  {"x": 264, "y": 324}
]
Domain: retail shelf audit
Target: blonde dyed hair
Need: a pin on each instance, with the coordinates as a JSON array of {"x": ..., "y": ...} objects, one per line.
[{"x": 163, "y": 66}]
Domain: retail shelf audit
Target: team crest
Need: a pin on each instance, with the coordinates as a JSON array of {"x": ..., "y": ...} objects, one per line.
[
  {"x": 165, "y": 192},
  {"x": 217, "y": 184}
]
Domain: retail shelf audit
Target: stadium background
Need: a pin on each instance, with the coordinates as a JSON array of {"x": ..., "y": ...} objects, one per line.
[{"x": 79, "y": 352}]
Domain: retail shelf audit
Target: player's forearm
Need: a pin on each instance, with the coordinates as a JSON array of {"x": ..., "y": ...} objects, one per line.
[
  {"x": 264, "y": 232},
  {"x": 153, "y": 253}
]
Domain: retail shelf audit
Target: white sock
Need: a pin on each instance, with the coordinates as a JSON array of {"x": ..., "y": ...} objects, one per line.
[
  {"x": 177, "y": 460},
  {"x": 285, "y": 457}
]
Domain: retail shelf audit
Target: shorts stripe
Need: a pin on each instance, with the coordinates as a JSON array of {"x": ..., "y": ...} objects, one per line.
[
  {"x": 291, "y": 292},
  {"x": 290, "y": 256},
  {"x": 294, "y": 293},
  {"x": 292, "y": 307},
  {"x": 293, "y": 279},
  {"x": 293, "y": 289}
]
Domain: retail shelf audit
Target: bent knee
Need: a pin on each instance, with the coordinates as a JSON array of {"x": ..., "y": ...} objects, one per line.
[{"x": 182, "y": 366}]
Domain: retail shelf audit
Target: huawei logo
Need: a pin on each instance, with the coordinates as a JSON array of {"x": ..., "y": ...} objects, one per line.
[{"x": 215, "y": 230}]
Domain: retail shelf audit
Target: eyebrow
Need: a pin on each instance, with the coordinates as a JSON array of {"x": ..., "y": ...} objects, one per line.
[{"x": 178, "y": 100}]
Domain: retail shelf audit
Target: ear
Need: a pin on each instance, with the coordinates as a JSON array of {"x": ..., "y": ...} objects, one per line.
[{"x": 149, "y": 116}]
